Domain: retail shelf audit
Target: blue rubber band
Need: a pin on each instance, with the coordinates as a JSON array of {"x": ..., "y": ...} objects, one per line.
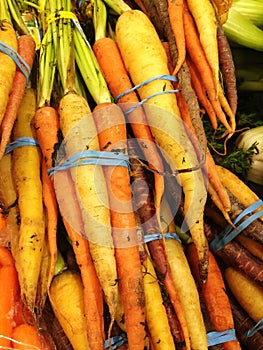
[
  {"x": 20, "y": 142},
  {"x": 215, "y": 338},
  {"x": 152, "y": 237},
  {"x": 253, "y": 330},
  {"x": 115, "y": 342},
  {"x": 148, "y": 98},
  {"x": 228, "y": 234},
  {"x": 20, "y": 62},
  {"x": 158, "y": 77},
  {"x": 92, "y": 157}
]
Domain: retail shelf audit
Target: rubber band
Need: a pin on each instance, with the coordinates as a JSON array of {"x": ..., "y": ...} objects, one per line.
[
  {"x": 19, "y": 61},
  {"x": 152, "y": 237},
  {"x": 229, "y": 233},
  {"x": 115, "y": 342},
  {"x": 215, "y": 338},
  {"x": 20, "y": 142},
  {"x": 254, "y": 329},
  {"x": 60, "y": 15},
  {"x": 158, "y": 77},
  {"x": 92, "y": 157},
  {"x": 148, "y": 98}
]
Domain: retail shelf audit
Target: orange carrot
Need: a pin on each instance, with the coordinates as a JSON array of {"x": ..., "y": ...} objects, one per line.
[
  {"x": 7, "y": 65},
  {"x": 198, "y": 57},
  {"x": 6, "y": 258},
  {"x": 73, "y": 222},
  {"x": 175, "y": 11},
  {"x": 50, "y": 202},
  {"x": 26, "y": 337},
  {"x": 4, "y": 232},
  {"x": 111, "y": 128},
  {"x": 215, "y": 297},
  {"x": 116, "y": 75},
  {"x": 26, "y": 49},
  {"x": 9, "y": 293},
  {"x": 201, "y": 92},
  {"x": 46, "y": 123}
]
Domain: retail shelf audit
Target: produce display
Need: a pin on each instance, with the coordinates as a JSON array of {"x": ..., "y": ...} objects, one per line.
[{"x": 131, "y": 175}]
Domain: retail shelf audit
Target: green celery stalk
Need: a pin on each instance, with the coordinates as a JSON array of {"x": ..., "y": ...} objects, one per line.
[
  {"x": 251, "y": 9},
  {"x": 242, "y": 31}
]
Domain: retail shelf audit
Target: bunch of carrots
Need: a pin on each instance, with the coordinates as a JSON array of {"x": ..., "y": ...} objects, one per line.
[{"x": 118, "y": 230}]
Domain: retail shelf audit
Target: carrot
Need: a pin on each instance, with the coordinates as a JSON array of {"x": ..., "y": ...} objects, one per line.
[
  {"x": 46, "y": 124},
  {"x": 79, "y": 131},
  {"x": 116, "y": 75},
  {"x": 251, "y": 245},
  {"x": 237, "y": 187},
  {"x": 111, "y": 127},
  {"x": 146, "y": 60},
  {"x": 8, "y": 199},
  {"x": 243, "y": 323},
  {"x": 50, "y": 202},
  {"x": 201, "y": 93},
  {"x": 6, "y": 258},
  {"x": 175, "y": 12},
  {"x": 215, "y": 297},
  {"x": 8, "y": 295},
  {"x": 206, "y": 23},
  {"x": 233, "y": 254},
  {"x": 156, "y": 318},
  {"x": 66, "y": 298},
  {"x": 227, "y": 67},
  {"x": 26, "y": 49},
  {"x": 26, "y": 171},
  {"x": 8, "y": 66},
  {"x": 93, "y": 295},
  {"x": 26, "y": 337},
  {"x": 199, "y": 59},
  {"x": 247, "y": 292},
  {"x": 187, "y": 292}
]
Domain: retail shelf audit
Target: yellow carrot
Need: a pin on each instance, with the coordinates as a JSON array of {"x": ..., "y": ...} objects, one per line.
[
  {"x": 237, "y": 187},
  {"x": 67, "y": 301},
  {"x": 156, "y": 317},
  {"x": 26, "y": 171},
  {"x": 247, "y": 292}
]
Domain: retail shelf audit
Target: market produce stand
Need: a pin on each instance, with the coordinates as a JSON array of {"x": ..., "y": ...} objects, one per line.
[{"x": 130, "y": 175}]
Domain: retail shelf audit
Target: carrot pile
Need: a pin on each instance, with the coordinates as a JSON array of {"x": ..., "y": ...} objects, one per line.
[{"x": 118, "y": 230}]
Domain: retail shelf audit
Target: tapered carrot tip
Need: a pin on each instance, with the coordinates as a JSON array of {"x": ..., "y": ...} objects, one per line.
[{"x": 203, "y": 269}]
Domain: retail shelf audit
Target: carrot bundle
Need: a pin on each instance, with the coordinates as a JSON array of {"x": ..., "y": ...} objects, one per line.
[{"x": 134, "y": 29}]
